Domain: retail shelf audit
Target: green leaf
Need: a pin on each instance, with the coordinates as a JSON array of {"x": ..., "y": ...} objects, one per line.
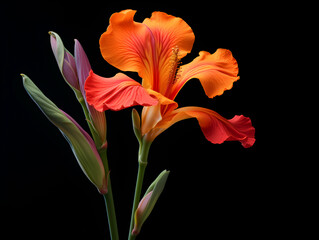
[
  {"x": 149, "y": 200},
  {"x": 80, "y": 142}
]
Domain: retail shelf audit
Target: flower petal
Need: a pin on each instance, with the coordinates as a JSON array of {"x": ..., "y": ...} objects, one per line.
[
  {"x": 216, "y": 72},
  {"x": 116, "y": 93},
  {"x": 215, "y": 128},
  {"x": 153, "y": 114},
  {"x": 126, "y": 43},
  {"x": 169, "y": 32},
  {"x": 146, "y": 47}
]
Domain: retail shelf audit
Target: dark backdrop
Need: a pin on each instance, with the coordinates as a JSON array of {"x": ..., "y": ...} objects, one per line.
[{"x": 213, "y": 191}]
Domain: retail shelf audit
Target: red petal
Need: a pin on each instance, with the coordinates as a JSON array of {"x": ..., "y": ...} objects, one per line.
[
  {"x": 215, "y": 128},
  {"x": 116, "y": 93},
  {"x": 218, "y": 129},
  {"x": 243, "y": 125}
]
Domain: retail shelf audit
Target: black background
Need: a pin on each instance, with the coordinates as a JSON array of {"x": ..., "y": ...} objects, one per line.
[{"x": 213, "y": 191}]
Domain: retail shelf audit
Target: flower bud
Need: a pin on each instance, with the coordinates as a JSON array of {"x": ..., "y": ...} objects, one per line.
[
  {"x": 149, "y": 200},
  {"x": 65, "y": 60},
  {"x": 80, "y": 142},
  {"x": 75, "y": 70},
  {"x": 136, "y": 124}
]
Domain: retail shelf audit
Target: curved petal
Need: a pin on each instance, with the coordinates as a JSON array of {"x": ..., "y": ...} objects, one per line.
[
  {"x": 172, "y": 35},
  {"x": 146, "y": 47},
  {"x": 126, "y": 43},
  {"x": 153, "y": 114},
  {"x": 215, "y": 128},
  {"x": 116, "y": 93},
  {"x": 216, "y": 72},
  {"x": 170, "y": 31}
]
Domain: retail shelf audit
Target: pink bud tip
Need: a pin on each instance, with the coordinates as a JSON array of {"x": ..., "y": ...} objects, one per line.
[
  {"x": 135, "y": 232},
  {"x": 103, "y": 190},
  {"x": 104, "y": 145}
]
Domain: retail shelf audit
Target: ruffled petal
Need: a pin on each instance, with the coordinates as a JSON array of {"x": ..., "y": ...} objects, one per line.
[
  {"x": 217, "y": 72},
  {"x": 173, "y": 39},
  {"x": 215, "y": 128},
  {"x": 146, "y": 47},
  {"x": 127, "y": 44},
  {"x": 116, "y": 93},
  {"x": 170, "y": 31}
]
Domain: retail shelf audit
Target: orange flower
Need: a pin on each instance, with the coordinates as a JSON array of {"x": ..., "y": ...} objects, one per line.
[{"x": 154, "y": 49}]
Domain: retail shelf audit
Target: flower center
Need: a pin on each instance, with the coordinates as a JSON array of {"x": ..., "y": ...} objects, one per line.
[{"x": 175, "y": 65}]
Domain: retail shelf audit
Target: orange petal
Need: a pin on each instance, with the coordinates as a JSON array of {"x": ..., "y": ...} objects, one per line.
[
  {"x": 146, "y": 47},
  {"x": 126, "y": 43},
  {"x": 168, "y": 32},
  {"x": 215, "y": 128},
  {"x": 162, "y": 99},
  {"x": 216, "y": 72},
  {"x": 153, "y": 114},
  {"x": 116, "y": 93}
]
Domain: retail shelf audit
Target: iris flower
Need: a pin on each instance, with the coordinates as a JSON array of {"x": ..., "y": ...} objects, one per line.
[{"x": 154, "y": 49}]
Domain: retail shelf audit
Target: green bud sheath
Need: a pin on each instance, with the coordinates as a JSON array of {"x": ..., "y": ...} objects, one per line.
[
  {"x": 149, "y": 200},
  {"x": 80, "y": 142}
]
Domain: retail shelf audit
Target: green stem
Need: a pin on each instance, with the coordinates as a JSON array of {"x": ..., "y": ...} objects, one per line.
[
  {"x": 108, "y": 197},
  {"x": 95, "y": 136},
  {"x": 142, "y": 163},
  {"x": 109, "y": 204}
]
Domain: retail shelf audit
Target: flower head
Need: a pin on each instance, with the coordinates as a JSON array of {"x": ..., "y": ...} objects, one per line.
[{"x": 154, "y": 49}]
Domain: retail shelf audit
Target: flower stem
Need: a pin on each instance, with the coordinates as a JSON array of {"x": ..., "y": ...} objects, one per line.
[
  {"x": 108, "y": 198},
  {"x": 142, "y": 163},
  {"x": 109, "y": 204},
  {"x": 95, "y": 136}
]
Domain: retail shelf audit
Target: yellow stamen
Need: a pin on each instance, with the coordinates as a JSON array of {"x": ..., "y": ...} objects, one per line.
[{"x": 175, "y": 65}]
